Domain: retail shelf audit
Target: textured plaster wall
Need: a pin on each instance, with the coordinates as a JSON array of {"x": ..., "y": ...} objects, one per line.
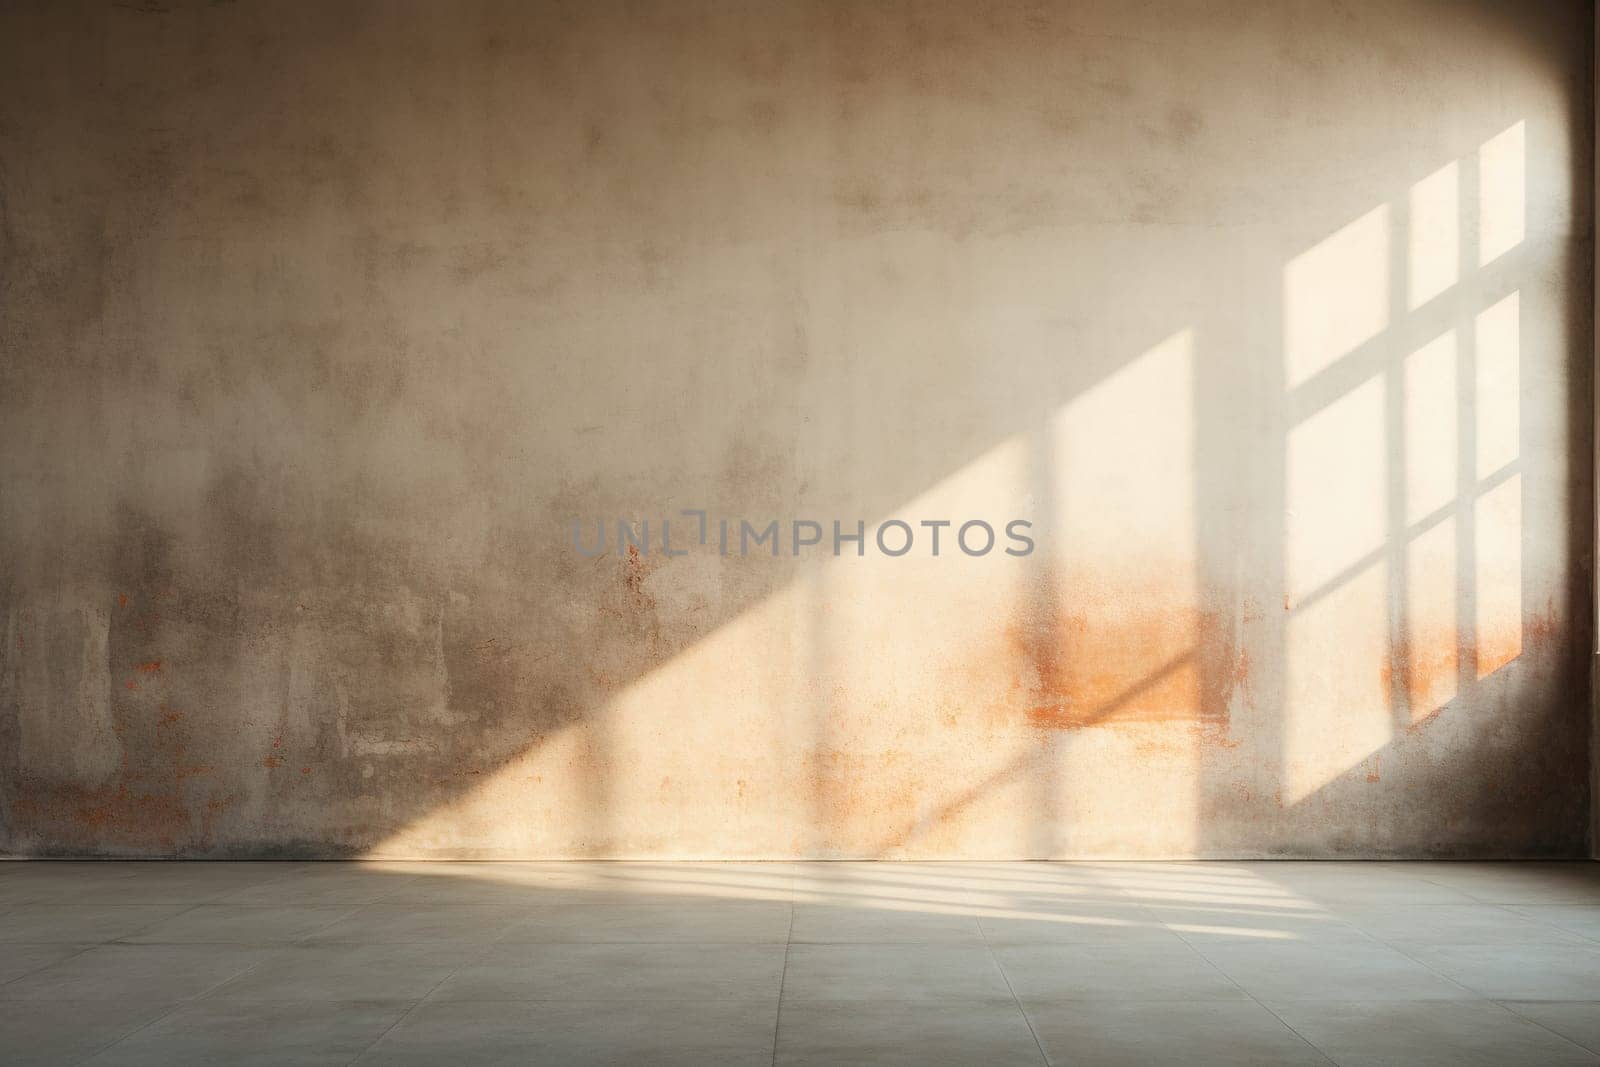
[{"x": 322, "y": 323}]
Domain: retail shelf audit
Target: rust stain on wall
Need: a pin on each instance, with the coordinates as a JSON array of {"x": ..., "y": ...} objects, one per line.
[
  {"x": 148, "y": 801},
  {"x": 1422, "y": 674},
  {"x": 1138, "y": 659}
]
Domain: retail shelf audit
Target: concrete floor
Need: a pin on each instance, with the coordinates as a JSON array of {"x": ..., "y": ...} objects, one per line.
[{"x": 800, "y": 963}]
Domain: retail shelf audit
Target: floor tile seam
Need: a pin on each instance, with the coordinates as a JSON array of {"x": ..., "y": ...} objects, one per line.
[
  {"x": 1252, "y": 997},
  {"x": 82, "y": 948},
  {"x": 1547, "y": 923},
  {"x": 114, "y": 1042},
  {"x": 1510, "y": 1005},
  {"x": 1476, "y": 993},
  {"x": 783, "y": 978},
  {"x": 403, "y": 1016},
  {"x": 1044, "y": 1057}
]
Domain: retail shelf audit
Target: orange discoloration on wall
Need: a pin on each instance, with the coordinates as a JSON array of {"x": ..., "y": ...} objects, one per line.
[
  {"x": 148, "y": 802},
  {"x": 152, "y": 667},
  {"x": 1495, "y": 650},
  {"x": 1250, "y": 610},
  {"x": 1126, "y": 663},
  {"x": 1540, "y": 628},
  {"x": 634, "y": 572},
  {"x": 857, "y": 792},
  {"x": 631, "y": 640},
  {"x": 123, "y": 810},
  {"x": 1421, "y": 674}
]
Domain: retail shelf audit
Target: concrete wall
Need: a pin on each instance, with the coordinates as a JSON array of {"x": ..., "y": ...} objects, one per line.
[{"x": 323, "y": 323}]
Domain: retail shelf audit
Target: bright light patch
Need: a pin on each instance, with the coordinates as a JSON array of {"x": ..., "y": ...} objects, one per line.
[
  {"x": 1337, "y": 471},
  {"x": 1498, "y": 524},
  {"x": 1498, "y": 398},
  {"x": 1124, "y": 461},
  {"x": 1435, "y": 240},
  {"x": 1336, "y": 707},
  {"x": 1424, "y": 669},
  {"x": 1336, "y": 296},
  {"x": 1430, "y": 427},
  {"x": 1501, "y": 193}
]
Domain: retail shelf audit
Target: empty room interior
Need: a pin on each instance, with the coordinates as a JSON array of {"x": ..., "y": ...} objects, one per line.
[{"x": 798, "y": 532}]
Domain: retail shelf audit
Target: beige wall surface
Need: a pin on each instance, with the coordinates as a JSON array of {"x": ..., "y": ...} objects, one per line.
[{"x": 322, "y": 325}]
